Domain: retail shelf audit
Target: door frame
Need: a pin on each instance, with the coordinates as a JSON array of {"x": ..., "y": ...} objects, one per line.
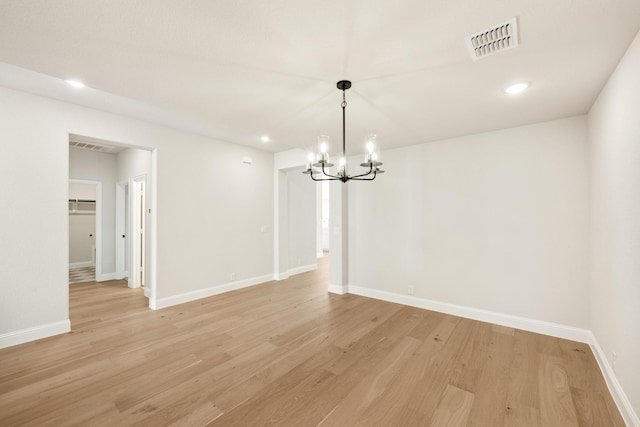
[
  {"x": 138, "y": 224},
  {"x": 122, "y": 234},
  {"x": 98, "y": 185}
]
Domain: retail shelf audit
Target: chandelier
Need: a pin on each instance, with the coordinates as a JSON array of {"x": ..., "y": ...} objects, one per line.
[{"x": 318, "y": 164}]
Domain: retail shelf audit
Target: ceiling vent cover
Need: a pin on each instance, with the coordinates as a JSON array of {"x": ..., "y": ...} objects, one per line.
[
  {"x": 88, "y": 146},
  {"x": 92, "y": 144},
  {"x": 493, "y": 40}
]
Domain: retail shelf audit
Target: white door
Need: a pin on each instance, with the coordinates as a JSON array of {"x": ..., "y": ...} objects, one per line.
[{"x": 138, "y": 230}]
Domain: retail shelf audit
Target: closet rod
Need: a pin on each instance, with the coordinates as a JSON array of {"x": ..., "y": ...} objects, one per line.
[{"x": 82, "y": 200}]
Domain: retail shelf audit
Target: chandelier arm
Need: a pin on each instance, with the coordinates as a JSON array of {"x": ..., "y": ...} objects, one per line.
[
  {"x": 323, "y": 179},
  {"x": 329, "y": 175},
  {"x": 355, "y": 178},
  {"x": 364, "y": 174}
]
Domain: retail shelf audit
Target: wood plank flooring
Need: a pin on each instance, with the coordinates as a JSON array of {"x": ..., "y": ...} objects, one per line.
[{"x": 288, "y": 353}]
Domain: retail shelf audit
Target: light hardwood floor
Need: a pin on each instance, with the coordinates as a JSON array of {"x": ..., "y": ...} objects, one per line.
[{"x": 289, "y": 353}]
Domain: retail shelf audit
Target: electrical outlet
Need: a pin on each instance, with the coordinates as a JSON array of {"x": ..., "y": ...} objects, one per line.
[
  {"x": 614, "y": 357},
  {"x": 232, "y": 276},
  {"x": 410, "y": 290}
]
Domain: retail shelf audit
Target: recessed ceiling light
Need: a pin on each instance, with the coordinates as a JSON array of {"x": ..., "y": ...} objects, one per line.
[
  {"x": 76, "y": 83},
  {"x": 265, "y": 139},
  {"x": 516, "y": 88}
]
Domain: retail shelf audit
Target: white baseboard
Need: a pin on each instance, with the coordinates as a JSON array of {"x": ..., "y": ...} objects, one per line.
[
  {"x": 35, "y": 333},
  {"x": 294, "y": 271},
  {"x": 157, "y": 303},
  {"x": 624, "y": 406},
  {"x": 106, "y": 276},
  {"x": 339, "y": 289},
  {"x": 121, "y": 276},
  {"x": 82, "y": 264},
  {"x": 280, "y": 276},
  {"x": 302, "y": 269},
  {"x": 532, "y": 325}
]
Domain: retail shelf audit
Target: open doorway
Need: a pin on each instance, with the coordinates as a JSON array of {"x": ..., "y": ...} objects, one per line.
[
  {"x": 124, "y": 235},
  {"x": 84, "y": 220}
]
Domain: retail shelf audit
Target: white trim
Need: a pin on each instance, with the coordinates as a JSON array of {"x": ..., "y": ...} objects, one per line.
[
  {"x": 280, "y": 276},
  {"x": 82, "y": 264},
  {"x": 339, "y": 289},
  {"x": 153, "y": 228},
  {"x": 35, "y": 333},
  {"x": 129, "y": 232},
  {"x": 120, "y": 228},
  {"x": 302, "y": 269},
  {"x": 157, "y": 303},
  {"x": 532, "y": 325},
  {"x": 106, "y": 276},
  {"x": 624, "y": 406},
  {"x": 138, "y": 230}
]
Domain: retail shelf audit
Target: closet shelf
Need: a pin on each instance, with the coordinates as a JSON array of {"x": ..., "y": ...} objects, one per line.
[{"x": 82, "y": 207}]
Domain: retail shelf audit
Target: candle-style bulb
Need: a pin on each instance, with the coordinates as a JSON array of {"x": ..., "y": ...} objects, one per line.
[
  {"x": 343, "y": 164},
  {"x": 370, "y": 147}
]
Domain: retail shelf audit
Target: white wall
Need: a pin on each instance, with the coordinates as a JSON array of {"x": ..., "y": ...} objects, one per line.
[
  {"x": 302, "y": 219},
  {"x": 325, "y": 224},
  {"x": 290, "y": 199},
  {"x": 82, "y": 191},
  {"x": 614, "y": 143},
  {"x": 96, "y": 166},
  {"x": 34, "y": 217},
  {"x": 496, "y": 221},
  {"x": 133, "y": 162},
  {"x": 211, "y": 207},
  {"x": 82, "y": 238}
]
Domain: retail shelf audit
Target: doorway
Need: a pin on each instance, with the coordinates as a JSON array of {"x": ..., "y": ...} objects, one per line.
[
  {"x": 84, "y": 221},
  {"x": 125, "y": 237}
]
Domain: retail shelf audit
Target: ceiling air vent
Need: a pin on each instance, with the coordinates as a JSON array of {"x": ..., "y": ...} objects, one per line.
[
  {"x": 88, "y": 146},
  {"x": 493, "y": 40},
  {"x": 93, "y": 144}
]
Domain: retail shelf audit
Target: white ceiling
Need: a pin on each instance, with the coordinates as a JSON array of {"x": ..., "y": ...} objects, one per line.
[{"x": 236, "y": 70}]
